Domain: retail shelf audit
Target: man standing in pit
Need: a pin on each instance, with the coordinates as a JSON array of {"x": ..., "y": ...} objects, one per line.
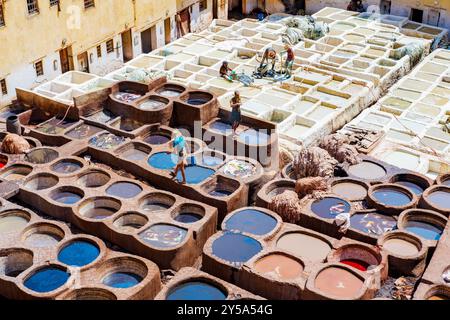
[
  {"x": 269, "y": 54},
  {"x": 290, "y": 57}
]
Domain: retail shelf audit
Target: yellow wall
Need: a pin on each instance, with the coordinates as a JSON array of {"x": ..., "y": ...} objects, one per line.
[{"x": 150, "y": 11}]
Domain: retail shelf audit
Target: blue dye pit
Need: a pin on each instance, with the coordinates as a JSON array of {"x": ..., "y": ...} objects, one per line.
[
  {"x": 254, "y": 137},
  {"x": 196, "y": 290},
  {"x": 122, "y": 280},
  {"x": 411, "y": 186},
  {"x": 235, "y": 248},
  {"x": 67, "y": 197},
  {"x": 47, "y": 280},
  {"x": 195, "y": 174},
  {"x": 186, "y": 217},
  {"x": 163, "y": 161},
  {"x": 373, "y": 223},
  {"x": 126, "y": 190},
  {"x": 330, "y": 207},
  {"x": 157, "y": 139},
  {"x": 391, "y": 197},
  {"x": 220, "y": 193},
  {"x": 251, "y": 221},
  {"x": 424, "y": 230},
  {"x": 78, "y": 254}
]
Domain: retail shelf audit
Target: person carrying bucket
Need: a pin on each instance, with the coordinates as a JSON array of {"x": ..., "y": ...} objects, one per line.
[
  {"x": 235, "y": 105},
  {"x": 180, "y": 154}
]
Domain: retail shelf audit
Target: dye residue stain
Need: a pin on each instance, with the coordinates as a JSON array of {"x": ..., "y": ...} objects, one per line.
[
  {"x": 164, "y": 235},
  {"x": 106, "y": 141},
  {"x": 251, "y": 221},
  {"x": 305, "y": 246},
  {"x": 356, "y": 263},
  {"x": 373, "y": 223},
  {"x": 196, "y": 290},
  {"x": 163, "y": 161},
  {"x": 440, "y": 199},
  {"x": 349, "y": 190},
  {"x": 195, "y": 174},
  {"x": 254, "y": 137},
  {"x": 414, "y": 187},
  {"x": 78, "y": 253},
  {"x": 330, "y": 207},
  {"x": 126, "y": 190},
  {"x": 157, "y": 139},
  {"x": 187, "y": 217},
  {"x": 339, "y": 283},
  {"x": 367, "y": 170},
  {"x": 391, "y": 197},
  {"x": 47, "y": 280},
  {"x": 122, "y": 280},
  {"x": 67, "y": 197},
  {"x": 424, "y": 230},
  {"x": 279, "y": 267},
  {"x": 12, "y": 223},
  {"x": 235, "y": 248}
]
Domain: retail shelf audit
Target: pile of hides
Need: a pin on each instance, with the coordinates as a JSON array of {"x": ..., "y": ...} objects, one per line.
[
  {"x": 15, "y": 144},
  {"x": 338, "y": 146},
  {"x": 287, "y": 205},
  {"x": 313, "y": 162},
  {"x": 304, "y": 27},
  {"x": 311, "y": 186}
]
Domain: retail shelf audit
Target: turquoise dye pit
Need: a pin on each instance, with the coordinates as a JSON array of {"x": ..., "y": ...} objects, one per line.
[
  {"x": 372, "y": 223},
  {"x": 196, "y": 290},
  {"x": 163, "y": 235},
  {"x": 330, "y": 207},
  {"x": 251, "y": 221},
  {"x": 391, "y": 197},
  {"x": 163, "y": 161},
  {"x": 254, "y": 137},
  {"x": 424, "y": 230},
  {"x": 125, "y": 190},
  {"x": 67, "y": 197},
  {"x": 78, "y": 254},
  {"x": 195, "y": 174},
  {"x": 235, "y": 248},
  {"x": 122, "y": 280},
  {"x": 187, "y": 217},
  {"x": 411, "y": 186},
  {"x": 47, "y": 280}
]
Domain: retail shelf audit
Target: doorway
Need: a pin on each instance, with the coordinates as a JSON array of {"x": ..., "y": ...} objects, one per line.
[
  {"x": 65, "y": 56},
  {"x": 146, "y": 40},
  {"x": 127, "y": 46},
  {"x": 167, "y": 31},
  {"x": 83, "y": 62},
  {"x": 433, "y": 17},
  {"x": 385, "y": 6},
  {"x": 417, "y": 15}
]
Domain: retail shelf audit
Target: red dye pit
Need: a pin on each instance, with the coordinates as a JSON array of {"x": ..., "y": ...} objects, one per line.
[{"x": 358, "y": 264}]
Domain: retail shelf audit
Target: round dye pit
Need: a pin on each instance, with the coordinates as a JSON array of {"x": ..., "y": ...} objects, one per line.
[
  {"x": 195, "y": 174},
  {"x": 163, "y": 161},
  {"x": 349, "y": 190},
  {"x": 41, "y": 156},
  {"x": 83, "y": 131},
  {"x": 187, "y": 217},
  {"x": 279, "y": 266},
  {"x": 372, "y": 223},
  {"x": 254, "y": 137},
  {"x": 338, "y": 282},
  {"x": 12, "y": 223},
  {"x": 235, "y": 248},
  {"x": 367, "y": 170},
  {"x": 440, "y": 198},
  {"x": 196, "y": 290},
  {"x": 157, "y": 202},
  {"x": 46, "y": 280},
  {"x": 42, "y": 240},
  {"x": 121, "y": 280},
  {"x": 106, "y": 141},
  {"x": 94, "y": 179},
  {"x": 170, "y": 93},
  {"x": 211, "y": 161},
  {"x": 99, "y": 208},
  {"x": 135, "y": 154},
  {"x": 67, "y": 166},
  {"x": 279, "y": 190},
  {"x": 78, "y": 253},
  {"x": 400, "y": 247},
  {"x": 157, "y": 139},
  {"x": 251, "y": 221},
  {"x": 446, "y": 182},
  {"x": 239, "y": 169},
  {"x": 414, "y": 187},
  {"x": 66, "y": 197},
  {"x": 16, "y": 172},
  {"x": 153, "y": 104},
  {"x": 42, "y": 182},
  {"x": 131, "y": 222},
  {"x": 305, "y": 246},
  {"x": 125, "y": 190},
  {"x": 391, "y": 197},
  {"x": 197, "y": 98},
  {"x": 330, "y": 207},
  {"x": 164, "y": 235},
  {"x": 424, "y": 230},
  {"x": 15, "y": 261}
]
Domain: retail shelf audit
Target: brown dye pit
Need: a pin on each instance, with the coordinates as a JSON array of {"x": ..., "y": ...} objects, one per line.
[
  {"x": 401, "y": 247},
  {"x": 305, "y": 246},
  {"x": 279, "y": 267},
  {"x": 367, "y": 170},
  {"x": 338, "y": 282},
  {"x": 349, "y": 190}
]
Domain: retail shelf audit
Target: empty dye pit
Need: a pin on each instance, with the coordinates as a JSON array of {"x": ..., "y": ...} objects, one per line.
[
  {"x": 338, "y": 282},
  {"x": 164, "y": 235},
  {"x": 391, "y": 197},
  {"x": 235, "y": 248},
  {"x": 47, "y": 280},
  {"x": 251, "y": 221},
  {"x": 196, "y": 290},
  {"x": 330, "y": 207},
  {"x": 367, "y": 170},
  {"x": 12, "y": 223},
  {"x": 125, "y": 190},
  {"x": 305, "y": 246},
  {"x": 372, "y": 223},
  {"x": 350, "y": 190},
  {"x": 121, "y": 280},
  {"x": 163, "y": 161},
  {"x": 279, "y": 266},
  {"x": 424, "y": 230},
  {"x": 400, "y": 247},
  {"x": 78, "y": 253}
]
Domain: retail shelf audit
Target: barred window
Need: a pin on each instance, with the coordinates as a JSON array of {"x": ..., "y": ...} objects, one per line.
[
  {"x": 32, "y": 6},
  {"x": 39, "y": 67},
  {"x": 3, "y": 87},
  {"x": 110, "y": 46},
  {"x": 89, "y": 3},
  {"x": 2, "y": 17},
  {"x": 54, "y": 3},
  {"x": 99, "y": 51}
]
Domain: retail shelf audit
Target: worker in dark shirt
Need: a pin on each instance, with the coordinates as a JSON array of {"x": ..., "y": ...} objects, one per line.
[
  {"x": 226, "y": 72},
  {"x": 290, "y": 57}
]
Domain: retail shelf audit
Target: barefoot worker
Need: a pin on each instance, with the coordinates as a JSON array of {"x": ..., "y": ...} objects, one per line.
[
  {"x": 235, "y": 104},
  {"x": 226, "y": 72},
  {"x": 180, "y": 153}
]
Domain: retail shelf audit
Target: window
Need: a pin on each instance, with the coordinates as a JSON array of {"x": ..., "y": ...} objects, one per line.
[
  {"x": 54, "y": 3},
  {"x": 417, "y": 15},
  {"x": 2, "y": 17},
  {"x": 3, "y": 87},
  {"x": 99, "y": 51},
  {"x": 39, "y": 68},
  {"x": 89, "y": 4},
  {"x": 32, "y": 6},
  {"x": 203, "y": 5},
  {"x": 110, "y": 46}
]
